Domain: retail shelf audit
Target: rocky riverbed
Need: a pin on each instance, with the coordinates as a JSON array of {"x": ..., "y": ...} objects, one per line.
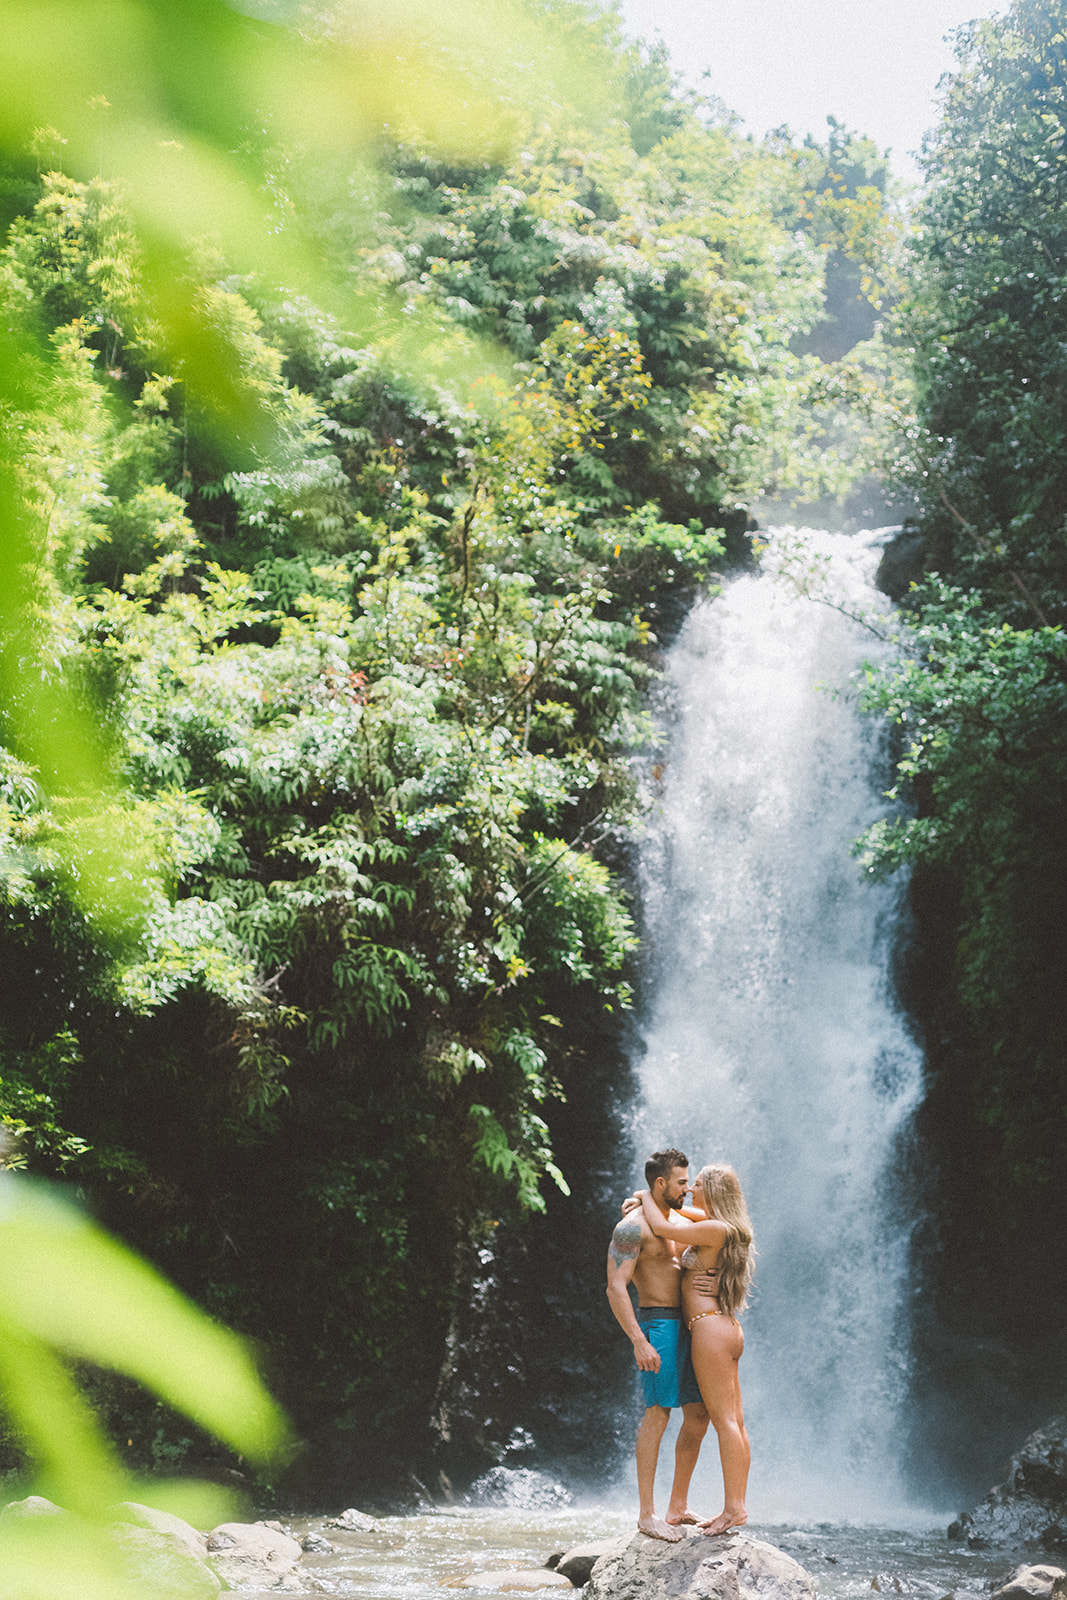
[
  {"x": 511, "y": 1539},
  {"x": 420, "y": 1556}
]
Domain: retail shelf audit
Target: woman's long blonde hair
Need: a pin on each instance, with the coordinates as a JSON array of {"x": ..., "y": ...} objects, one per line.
[{"x": 726, "y": 1203}]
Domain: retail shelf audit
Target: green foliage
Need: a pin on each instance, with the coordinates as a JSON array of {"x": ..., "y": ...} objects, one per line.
[
  {"x": 359, "y": 423},
  {"x": 981, "y": 708},
  {"x": 979, "y": 700},
  {"x": 986, "y": 316},
  {"x": 67, "y": 1285},
  {"x": 71, "y": 1293},
  {"x": 975, "y": 706}
]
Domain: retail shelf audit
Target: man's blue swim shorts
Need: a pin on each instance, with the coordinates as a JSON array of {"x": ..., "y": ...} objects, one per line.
[{"x": 675, "y": 1383}]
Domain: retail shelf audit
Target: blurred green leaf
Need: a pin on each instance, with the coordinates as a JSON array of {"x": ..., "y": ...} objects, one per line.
[{"x": 65, "y": 1284}]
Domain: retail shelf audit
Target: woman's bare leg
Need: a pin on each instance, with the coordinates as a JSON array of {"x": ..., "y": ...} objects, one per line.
[{"x": 717, "y": 1346}]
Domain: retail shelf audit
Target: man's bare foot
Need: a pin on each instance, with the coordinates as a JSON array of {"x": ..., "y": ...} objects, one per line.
[
  {"x": 726, "y": 1522},
  {"x": 685, "y": 1519},
  {"x": 656, "y": 1528}
]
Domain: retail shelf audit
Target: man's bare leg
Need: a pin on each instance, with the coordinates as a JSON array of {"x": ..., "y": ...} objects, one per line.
[
  {"x": 649, "y": 1436},
  {"x": 690, "y": 1438}
]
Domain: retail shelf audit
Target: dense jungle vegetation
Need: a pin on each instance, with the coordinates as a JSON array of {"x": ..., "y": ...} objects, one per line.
[
  {"x": 981, "y": 704},
  {"x": 356, "y": 463},
  {"x": 342, "y": 591}
]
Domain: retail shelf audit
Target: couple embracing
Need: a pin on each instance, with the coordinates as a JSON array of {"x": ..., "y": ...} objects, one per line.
[{"x": 691, "y": 1267}]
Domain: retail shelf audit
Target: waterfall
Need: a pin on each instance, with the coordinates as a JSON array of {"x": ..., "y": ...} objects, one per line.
[{"x": 769, "y": 1035}]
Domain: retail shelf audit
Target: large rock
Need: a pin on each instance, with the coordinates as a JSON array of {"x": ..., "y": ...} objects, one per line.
[
  {"x": 161, "y": 1522},
  {"x": 159, "y": 1564},
  {"x": 252, "y": 1555},
  {"x": 1030, "y": 1506},
  {"x": 161, "y": 1555},
  {"x": 697, "y": 1568},
  {"x": 1030, "y": 1583},
  {"x": 577, "y": 1564}
]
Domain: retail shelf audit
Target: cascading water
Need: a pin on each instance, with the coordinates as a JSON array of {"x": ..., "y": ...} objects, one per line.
[{"x": 770, "y": 1035}]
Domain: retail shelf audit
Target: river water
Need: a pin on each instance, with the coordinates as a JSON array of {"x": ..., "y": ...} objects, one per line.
[
  {"x": 416, "y": 1557},
  {"x": 769, "y": 1036}
]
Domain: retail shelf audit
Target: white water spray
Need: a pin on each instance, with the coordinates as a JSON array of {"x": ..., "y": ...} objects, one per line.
[{"x": 770, "y": 1037}]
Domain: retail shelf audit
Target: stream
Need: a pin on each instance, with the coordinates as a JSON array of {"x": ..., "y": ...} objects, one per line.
[{"x": 415, "y": 1557}]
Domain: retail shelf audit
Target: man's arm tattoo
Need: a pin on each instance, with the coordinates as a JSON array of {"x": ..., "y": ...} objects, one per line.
[{"x": 625, "y": 1242}]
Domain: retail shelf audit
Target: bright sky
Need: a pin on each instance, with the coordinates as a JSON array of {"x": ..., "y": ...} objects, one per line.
[{"x": 873, "y": 64}]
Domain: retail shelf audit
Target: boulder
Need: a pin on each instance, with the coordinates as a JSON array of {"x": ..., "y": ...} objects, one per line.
[
  {"x": 1030, "y": 1506},
  {"x": 34, "y": 1505},
  {"x": 1029, "y": 1583},
  {"x": 902, "y": 564},
  {"x": 161, "y": 1522},
  {"x": 161, "y": 1555},
  {"x": 503, "y": 1579},
  {"x": 161, "y": 1565},
  {"x": 251, "y": 1555},
  {"x": 578, "y": 1564},
  {"x": 731, "y": 1567}
]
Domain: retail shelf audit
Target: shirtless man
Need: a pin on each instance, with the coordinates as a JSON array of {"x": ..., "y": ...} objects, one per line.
[{"x": 661, "y": 1345}]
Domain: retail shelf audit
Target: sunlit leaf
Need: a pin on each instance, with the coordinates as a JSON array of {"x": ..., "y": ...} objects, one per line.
[{"x": 66, "y": 1284}]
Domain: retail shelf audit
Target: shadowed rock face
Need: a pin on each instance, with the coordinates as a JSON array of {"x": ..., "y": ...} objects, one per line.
[
  {"x": 1030, "y": 1506},
  {"x": 697, "y": 1568},
  {"x": 902, "y": 564}
]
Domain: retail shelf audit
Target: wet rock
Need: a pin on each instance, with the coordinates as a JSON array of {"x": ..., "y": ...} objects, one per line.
[
  {"x": 506, "y": 1579},
  {"x": 353, "y": 1521},
  {"x": 251, "y": 1555},
  {"x": 1030, "y": 1583},
  {"x": 161, "y": 1522},
  {"x": 1030, "y": 1506},
  {"x": 578, "y": 1564},
  {"x": 697, "y": 1568},
  {"x": 163, "y": 1566},
  {"x": 313, "y": 1544}
]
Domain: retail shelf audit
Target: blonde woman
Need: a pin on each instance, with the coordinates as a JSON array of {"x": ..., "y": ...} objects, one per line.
[{"x": 720, "y": 1243}]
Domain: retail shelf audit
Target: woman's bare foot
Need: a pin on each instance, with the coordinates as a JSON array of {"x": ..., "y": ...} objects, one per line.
[
  {"x": 726, "y": 1521},
  {"x": 656, "y": 1528},
  {"x": 684, "y": 1518}
]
